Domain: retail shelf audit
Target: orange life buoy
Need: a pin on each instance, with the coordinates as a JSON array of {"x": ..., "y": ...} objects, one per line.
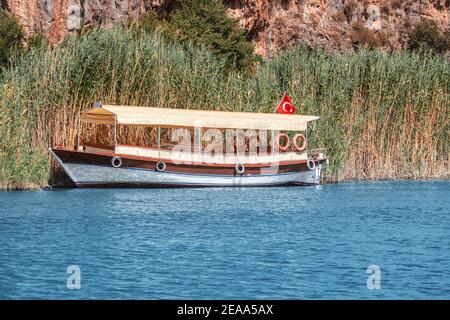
[
  {"x": 304, "y": 144},
  {"x": 278, "y": 140}
]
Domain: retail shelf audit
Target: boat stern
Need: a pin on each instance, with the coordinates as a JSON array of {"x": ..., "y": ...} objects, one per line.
[{"x": 57, "y": 156}]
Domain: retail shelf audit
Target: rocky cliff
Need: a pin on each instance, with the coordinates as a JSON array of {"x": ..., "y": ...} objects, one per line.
[{"x": 273, "y": 25}]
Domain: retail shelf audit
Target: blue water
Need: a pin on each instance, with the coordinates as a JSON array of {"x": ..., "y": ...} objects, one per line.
[{"x": 249, "y": 243}]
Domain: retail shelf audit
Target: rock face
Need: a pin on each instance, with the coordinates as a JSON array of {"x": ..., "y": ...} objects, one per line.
[
  {"x": 338, "y": 25},
  {"x": 273, "y": 25},
  {"x": 57, "y": 18}
]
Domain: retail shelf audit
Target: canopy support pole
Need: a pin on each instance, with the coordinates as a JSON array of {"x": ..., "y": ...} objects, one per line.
[
  {"x": 306, "y": 137},
  {"x": 115, "y": 132},
  {"x": 78, "y": 132},
  {"x": 198, "y": 141},
  {"x": 159, "y": 142},
  {"x": 272, "y": 142}
]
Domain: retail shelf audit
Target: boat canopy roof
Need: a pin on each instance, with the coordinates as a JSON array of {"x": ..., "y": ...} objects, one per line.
[{"x": 167, "y": 117}]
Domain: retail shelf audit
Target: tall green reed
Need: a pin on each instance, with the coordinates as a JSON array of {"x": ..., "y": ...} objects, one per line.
[{"x": 382, "y": 115}]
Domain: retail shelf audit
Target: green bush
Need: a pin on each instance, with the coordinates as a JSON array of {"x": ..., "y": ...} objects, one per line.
[
  {"x": 426, "y": 36},
  {"x": 205, "y": 23},
  {"x": 11, "y": 37},
  {"x": 150, "y": 22},
  {"x": 37, "y": 40}
]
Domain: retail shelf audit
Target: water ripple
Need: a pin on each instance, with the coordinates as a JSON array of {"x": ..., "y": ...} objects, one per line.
[{"x": 274, "y": 243}]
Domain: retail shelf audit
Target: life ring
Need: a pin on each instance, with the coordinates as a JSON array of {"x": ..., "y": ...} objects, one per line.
[
  {"x": 160, "y": 166},
  {"x": 116, "y": 162},
  {"x": 311, "y": 164},
  {"x": 278, "y": 140},
  {"x": 239, "y": 167},
  {"x": 295, "y": 141}
]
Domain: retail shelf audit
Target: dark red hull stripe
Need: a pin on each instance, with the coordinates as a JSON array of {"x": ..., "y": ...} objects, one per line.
[{"x": 68, "y": 156}]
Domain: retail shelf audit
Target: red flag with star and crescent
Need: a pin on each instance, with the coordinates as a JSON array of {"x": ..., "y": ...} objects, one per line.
[{"x": 286, "y": 105}]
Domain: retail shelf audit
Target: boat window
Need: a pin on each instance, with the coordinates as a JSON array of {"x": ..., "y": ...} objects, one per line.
[
  {"x": 100, "y": 136},
  {"x": 137, "y": 135}
]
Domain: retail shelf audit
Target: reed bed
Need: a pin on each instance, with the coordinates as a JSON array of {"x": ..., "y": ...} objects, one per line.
[{"x": 383, "y": 116}]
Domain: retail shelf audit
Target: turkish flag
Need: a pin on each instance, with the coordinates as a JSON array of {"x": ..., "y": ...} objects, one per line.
[{"x": 286, "y": 105}]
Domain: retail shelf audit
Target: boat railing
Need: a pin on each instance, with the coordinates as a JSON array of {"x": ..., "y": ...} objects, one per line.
[
  {"x": 169, "y": 147},
  {"x": 180, "y": 155}
]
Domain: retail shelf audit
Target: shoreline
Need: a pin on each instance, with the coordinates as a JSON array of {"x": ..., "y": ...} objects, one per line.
[{"x": 48, "y": 187}]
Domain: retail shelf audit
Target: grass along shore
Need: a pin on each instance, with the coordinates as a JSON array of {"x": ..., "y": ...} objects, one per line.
[{"x": 383, "y": 116}]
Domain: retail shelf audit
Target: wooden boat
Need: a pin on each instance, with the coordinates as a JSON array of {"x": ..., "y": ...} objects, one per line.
[{"x": 248, "y": 160}]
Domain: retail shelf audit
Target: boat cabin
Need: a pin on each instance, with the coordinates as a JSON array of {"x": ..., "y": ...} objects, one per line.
[{"x": 194, "y": 136}]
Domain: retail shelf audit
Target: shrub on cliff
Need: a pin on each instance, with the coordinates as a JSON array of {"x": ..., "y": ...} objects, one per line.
[
  {"x": 426, "y": 36},
  {"x": 11, "y": 37},
  {"x": 36, "y": 40},
  {"x": 205, "y": 23},
  {"x": 150, "y": 22},
  {"x": 363, "y": 37}
]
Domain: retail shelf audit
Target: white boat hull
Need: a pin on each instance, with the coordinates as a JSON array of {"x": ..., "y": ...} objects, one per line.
[
  {"x": 94, "y": 175},
  {"x": 85, "y": 175}
]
